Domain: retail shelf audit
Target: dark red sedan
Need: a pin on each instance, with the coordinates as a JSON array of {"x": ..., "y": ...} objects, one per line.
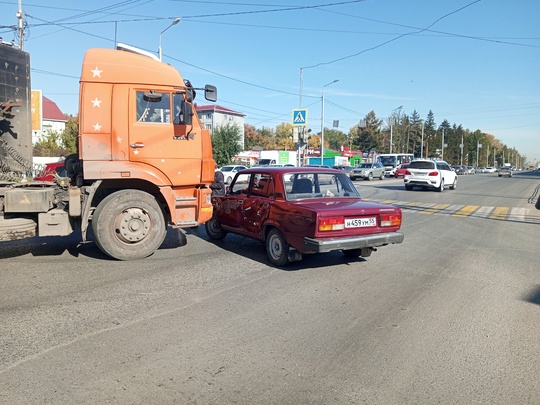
[{"x": 297, "y": 211}]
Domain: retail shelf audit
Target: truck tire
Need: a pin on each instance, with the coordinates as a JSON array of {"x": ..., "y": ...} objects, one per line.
[
  {"x": 17, "y": 228},
  {"x": 128, "y": 225}
]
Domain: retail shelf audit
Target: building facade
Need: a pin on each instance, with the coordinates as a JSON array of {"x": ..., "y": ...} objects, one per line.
[
  {"x": 213, "y": 116},
  {"x": 52, "y": 119}
]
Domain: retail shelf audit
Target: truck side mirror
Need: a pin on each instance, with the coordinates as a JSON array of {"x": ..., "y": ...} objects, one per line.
[
  {"x": 186, "y": 114},
  {"x": 538, "y": 203},
  {"x": 210, "y": 92}
]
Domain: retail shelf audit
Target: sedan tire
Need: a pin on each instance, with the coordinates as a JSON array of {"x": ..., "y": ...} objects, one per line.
[{"x": 277, "y": 248}]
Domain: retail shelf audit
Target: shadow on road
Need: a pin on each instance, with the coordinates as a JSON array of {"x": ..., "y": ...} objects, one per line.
[
  {"x": 57, "y": 245},
  {"x": 256, "y": 251}
]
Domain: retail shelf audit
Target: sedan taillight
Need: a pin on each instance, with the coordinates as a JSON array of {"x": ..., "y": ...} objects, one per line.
[
  {"x": 390, "y": 220},
  {"x": 332, "y": 224},
  {"x": 433, "y": 174}
]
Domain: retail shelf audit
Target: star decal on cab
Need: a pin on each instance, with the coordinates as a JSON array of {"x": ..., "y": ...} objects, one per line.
[
  {"x": 97, "y": 127},
  {"x": 96, "y": 72},
  {"x": 96, "y": 102}
]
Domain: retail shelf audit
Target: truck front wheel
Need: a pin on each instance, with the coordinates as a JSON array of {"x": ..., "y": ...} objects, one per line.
[{"x": 128, "y": 225}]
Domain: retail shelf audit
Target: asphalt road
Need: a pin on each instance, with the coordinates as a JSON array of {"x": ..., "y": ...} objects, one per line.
[{"x": 450, "y": 316}]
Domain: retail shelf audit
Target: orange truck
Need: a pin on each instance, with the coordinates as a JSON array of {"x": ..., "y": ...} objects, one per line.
[{"x": 144, "y": 161}]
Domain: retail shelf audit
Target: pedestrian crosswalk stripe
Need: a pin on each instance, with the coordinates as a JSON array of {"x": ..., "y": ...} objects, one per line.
[
  {"x": 483, "y": 212},
  {"x": 466, "y": 211},
  {"x": 499, "y": 213},
  {"x": 436, "y": 208},
  {"x": 518, "y": 214}
]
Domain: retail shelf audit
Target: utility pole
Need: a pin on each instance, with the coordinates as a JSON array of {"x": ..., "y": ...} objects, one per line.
[
  {"x": 20, "y": 27},
  {"x": 442, "y": 145}
]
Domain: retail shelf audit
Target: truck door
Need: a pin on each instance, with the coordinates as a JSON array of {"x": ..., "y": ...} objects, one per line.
[{"x": 154, "y": 140}]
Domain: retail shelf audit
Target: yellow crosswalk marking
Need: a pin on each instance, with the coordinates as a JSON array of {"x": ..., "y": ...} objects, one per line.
[
  {"x": 435, "y": 208},
  {"x": 465, "y": 211},
  {"x": 499, "y": 213}
]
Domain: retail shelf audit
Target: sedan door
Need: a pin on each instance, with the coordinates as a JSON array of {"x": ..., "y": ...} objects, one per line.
[{"x": 231, "y": 212}]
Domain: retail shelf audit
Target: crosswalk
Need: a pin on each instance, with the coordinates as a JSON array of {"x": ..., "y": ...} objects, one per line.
[{"x": 518, "y": 214}]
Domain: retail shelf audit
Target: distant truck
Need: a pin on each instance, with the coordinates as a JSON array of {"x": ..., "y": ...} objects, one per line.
[
  {"x": 276, "y": 157},
  {"x": 144, "y": 161}
]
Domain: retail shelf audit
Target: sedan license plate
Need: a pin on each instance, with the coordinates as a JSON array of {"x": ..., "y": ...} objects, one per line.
[{"x": 360, "y": 222}]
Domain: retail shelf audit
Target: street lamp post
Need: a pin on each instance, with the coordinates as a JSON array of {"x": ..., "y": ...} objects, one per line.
[
  {"x": 442, "y": 145},
  {"x": 322, "y": 120},
  {"x": 175, "y": 21},
  {"x": 422, "y": 146},
  {"x": 478, "y": 146}
]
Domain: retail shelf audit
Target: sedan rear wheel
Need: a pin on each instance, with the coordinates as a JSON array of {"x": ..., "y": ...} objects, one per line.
[
  {"x": 370, "y": 176},
  {"x": 277, "y": 248},
  {"x": 381, "y": 176}
]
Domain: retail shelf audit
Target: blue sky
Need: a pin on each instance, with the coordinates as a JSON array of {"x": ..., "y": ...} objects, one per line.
[{"x": 474, "y": 63}]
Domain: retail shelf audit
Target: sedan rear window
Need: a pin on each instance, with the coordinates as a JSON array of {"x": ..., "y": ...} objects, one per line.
[
  {"x": 317, "y": 185},
  {"x": 421, "y": 165}
]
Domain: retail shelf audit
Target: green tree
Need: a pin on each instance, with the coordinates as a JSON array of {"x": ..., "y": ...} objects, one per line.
[
  {"x": 367, "y": 135},
  {"x": 49, "y": 145},
  {"x": 226, "y": 143},
  {"x": 335, "y": 139},
  {"x": 430, "y": 131},
  {"x": 54, "y": 143},
  {"x": 70, "y": 134}
]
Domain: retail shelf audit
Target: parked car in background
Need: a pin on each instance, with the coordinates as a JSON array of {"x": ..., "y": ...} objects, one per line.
[
  {"x": 490, "y": 170},
  {"x": 230, "y": 171},
  {"x": 505, "y": 171},
  {"x": 367, "y": 171},
  {"x": 400, "y": 171},
  {"x": 345, "y": 169},
  {"x": 459, "y": 169},
  {"x": 430, "y": 174},
  {"x": 470, "y": 170},
  {"x": 319, "y": 211}
]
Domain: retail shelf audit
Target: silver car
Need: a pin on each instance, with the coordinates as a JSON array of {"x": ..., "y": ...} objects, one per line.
[{"x": 367, "y": 171}]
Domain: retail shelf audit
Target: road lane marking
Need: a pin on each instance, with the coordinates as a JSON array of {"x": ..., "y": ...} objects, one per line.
[
  {"x": 499, "y": 213},
  {"x": 435, "y": 208},
  {"x": 518, "y": 214},
  {"x": 466, "y": 211}
]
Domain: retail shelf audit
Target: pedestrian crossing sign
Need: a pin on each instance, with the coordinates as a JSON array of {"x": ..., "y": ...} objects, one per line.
[{"x": 299, "y": 117}]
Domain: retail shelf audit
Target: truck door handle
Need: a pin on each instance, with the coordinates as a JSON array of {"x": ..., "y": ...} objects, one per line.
[{"x": 137, "y": 145}]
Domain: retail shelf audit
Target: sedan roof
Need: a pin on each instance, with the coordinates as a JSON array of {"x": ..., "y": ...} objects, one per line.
[{"x": 279, "y": 170}]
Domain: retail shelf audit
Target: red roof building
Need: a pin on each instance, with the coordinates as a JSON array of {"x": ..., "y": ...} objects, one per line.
[
  {"x": 213, "y": 116},
  {"x": 52, "y": 120}
]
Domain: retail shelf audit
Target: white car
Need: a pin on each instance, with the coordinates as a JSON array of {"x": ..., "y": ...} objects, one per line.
[
  {"x": 230, "y": 171},
  {"x": 430, "y": 174}
]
